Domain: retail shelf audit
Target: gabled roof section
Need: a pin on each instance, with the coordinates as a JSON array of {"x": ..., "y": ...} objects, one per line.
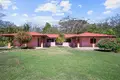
[
  {"x": 70, "y": 35},
  {"x": 89, "y": 34},
  {"x": 52, "y": 35},
  {"x": 34, "y": 33}
]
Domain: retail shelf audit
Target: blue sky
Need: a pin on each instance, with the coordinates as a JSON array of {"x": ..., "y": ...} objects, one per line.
[{"x": 42, "y": 11}]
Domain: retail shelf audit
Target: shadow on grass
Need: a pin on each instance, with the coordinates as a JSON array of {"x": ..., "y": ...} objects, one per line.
[
  {"x": 4, "y": 49},
  {"x": 102, "y": 50}
]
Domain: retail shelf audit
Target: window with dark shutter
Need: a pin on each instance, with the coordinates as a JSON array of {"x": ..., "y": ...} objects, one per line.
[{"x": 92, "y": 40}]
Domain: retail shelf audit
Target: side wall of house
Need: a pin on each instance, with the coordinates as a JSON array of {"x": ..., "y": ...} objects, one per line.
[
  {"x": 32, "y": 43},
  {"x": 85, "y": 42}
]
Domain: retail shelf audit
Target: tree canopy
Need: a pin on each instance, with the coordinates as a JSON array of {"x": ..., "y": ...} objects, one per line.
[
  {"x": 47, "y": 28},
  {"x": 72, "y": 25},
  {"x": 60, "y": 39},
  {"x": 23, "y": 37}
]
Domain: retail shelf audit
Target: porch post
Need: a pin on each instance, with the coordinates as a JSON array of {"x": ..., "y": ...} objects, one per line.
[
  {"x": 25, "y": 44},
  {"x": 42, "y": 44},
  {"x": 9, "y": 45},
  {"x": 93, "y": 45},
  {"x": 53, "y": 43},
  {"x": 78, "y": 43},
  {"x": 71, "y": 45},
  {"x": 42, "y": 40}
]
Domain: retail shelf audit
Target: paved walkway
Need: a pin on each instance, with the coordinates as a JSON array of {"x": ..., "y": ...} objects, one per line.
[{"x": 87, "y": 48}]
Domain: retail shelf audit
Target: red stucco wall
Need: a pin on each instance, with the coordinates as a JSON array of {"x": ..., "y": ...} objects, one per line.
[
  {"x": 85, "y": 42},
  {"x": 32, "y": 43}
]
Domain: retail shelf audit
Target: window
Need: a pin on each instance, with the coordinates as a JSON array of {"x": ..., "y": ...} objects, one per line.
[
  {"x": 93, "y": 41},
  {"x": 50, "y": 40},
  {"x": 68, "y": 40}
]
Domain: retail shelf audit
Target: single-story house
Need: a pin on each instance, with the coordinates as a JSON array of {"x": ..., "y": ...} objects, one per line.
[{"x": 85, "y": 39}]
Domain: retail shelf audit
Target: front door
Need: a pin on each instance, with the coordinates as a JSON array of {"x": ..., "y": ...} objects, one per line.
[{"x": 39, "y": 42}]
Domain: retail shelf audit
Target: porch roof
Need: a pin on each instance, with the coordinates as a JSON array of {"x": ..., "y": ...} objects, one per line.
[
  {"x": 13, "y": 34},
  {"x": 57, "y": 35},
  {"x": 35, "y": 34},
  {"x": 52, "y": 35},
  {"x": 70, "y": 35}
]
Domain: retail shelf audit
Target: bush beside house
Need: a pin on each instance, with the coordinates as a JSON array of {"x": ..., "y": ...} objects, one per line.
[
  {"x": 60, "y": 39},
  {"x": 109, "y": 44},
  {"x": 3, "y": 43},
  {"x": 23, "y": 38},
  {"x": 5, "y": 40}
]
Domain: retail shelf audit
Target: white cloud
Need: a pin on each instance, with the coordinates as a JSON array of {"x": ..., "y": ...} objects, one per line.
[
  {"x": 25, "y": 15},
  {"x": 66, "y": 5},
  {"x": 5, "y": 3},
  {"x": 58, "y": 14},
  {"x": 41, "y": 20},
  {"x": 55, "y": 7},
  {"x": 89, "y": 12},
  {"x": 112, "y": 4},
  {"x": 47, "y": 7},
  {"x": 107, "y": 12},
  {"x": 80, "y": 6},
  {"x": 14, "y": 7},
  {"x": 14, "y": 14}
]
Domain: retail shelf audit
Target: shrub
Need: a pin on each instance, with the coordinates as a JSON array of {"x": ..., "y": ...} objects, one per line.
[
  {"x": 3, "y": 43},
  {"x": 117, "y": 46},
  {"x": 60, "y": 39},
  {"x": 109, "y": 44},
  {"x": 23, "y": 37}
]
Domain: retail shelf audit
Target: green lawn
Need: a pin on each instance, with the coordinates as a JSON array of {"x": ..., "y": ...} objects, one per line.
[{"x": 59, "y": 64}]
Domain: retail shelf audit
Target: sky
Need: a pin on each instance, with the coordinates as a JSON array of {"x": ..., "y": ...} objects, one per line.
[{"x": 42, "y": 11}]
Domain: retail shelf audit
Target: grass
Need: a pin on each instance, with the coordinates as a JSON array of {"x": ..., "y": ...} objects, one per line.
[{"x": 59, "y": 63}]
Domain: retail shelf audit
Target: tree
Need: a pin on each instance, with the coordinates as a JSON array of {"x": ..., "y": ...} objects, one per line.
[
  {"x": 54, "y": 30},
  {"x": 60, "y": 39},
  {"x": 47, "y": 28},
  {"x": 9, "y": 27},
  {"x": 73, "y": 25},
  {"x": 36, "y": 28},
  {"x": 111, "y": 25},
  {"x": 102, "y": 27},
  {"x": 26, "y": 27},
  {"x": 93, "y": 28},
  {"x": 117, "y": 31},
  {"x": 23, "y": 38},
  {"x": 110, "y": 31},
  {"x": 114, "y": 21}
]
